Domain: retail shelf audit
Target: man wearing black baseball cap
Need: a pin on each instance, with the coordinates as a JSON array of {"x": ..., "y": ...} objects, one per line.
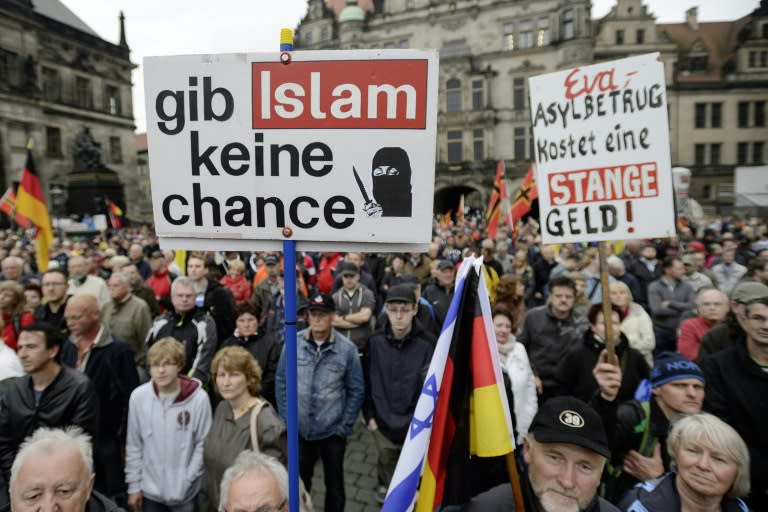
[
  {"x": 330, "y": 395},
  {"x": 395, "y": 363},
  {"x": 566, "y": 449}
]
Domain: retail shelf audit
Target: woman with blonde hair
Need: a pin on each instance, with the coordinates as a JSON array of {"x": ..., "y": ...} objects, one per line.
[
  {"x": 710, "y": 471},
  {"x": 243, "y": 420},
  {"x": 637, "y": 325}
]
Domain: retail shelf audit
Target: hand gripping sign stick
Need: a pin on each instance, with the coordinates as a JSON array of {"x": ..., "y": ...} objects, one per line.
[{"x": 291, "y": 372}]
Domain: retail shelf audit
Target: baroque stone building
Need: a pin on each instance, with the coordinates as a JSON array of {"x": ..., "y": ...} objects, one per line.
[
  {"x": 57, "y": 78},
  {"x": 488, "y": 49},
  {"x": 717, "y": 89},
  {"x": 716, "y": 78}
]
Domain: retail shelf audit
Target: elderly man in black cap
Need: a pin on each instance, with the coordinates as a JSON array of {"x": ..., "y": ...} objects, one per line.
[
  {"x": 330, "y": 395},
  {"x": 566, "y": 449}
]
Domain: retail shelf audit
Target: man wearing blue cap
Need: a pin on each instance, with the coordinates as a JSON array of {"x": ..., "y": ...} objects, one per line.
[{"x": 637, "y": 429}]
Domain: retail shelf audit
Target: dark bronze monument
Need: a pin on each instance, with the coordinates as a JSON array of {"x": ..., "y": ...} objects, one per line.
[{"x": 91, "y": 184}]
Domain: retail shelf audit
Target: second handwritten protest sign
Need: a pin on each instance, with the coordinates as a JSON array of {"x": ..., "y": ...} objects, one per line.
[{"x": 601, "y": 145}]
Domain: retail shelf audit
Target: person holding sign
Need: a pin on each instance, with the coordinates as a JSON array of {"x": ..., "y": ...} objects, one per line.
[{"x": 637, "y": 429}]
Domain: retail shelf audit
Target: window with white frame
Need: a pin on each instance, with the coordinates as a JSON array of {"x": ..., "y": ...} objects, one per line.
[{"x": 453, "y": 95}]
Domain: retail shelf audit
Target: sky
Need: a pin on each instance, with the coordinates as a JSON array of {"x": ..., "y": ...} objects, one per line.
[{"x": 175, "y": 27}]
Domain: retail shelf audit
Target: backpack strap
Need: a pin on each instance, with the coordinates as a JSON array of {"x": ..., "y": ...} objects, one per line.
[{"x": 254, "y": 418}]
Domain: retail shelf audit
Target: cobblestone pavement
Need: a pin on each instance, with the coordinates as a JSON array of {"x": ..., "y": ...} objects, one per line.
[{"x": 360, "y": 474}]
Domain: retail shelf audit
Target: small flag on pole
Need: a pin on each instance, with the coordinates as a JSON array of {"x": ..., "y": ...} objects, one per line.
[
  {"x": 115, "y": 214},
  {"x": 30, "y": 202},
  {"x": 494, "y": 212},
  {"x": 8, "y": 206},
  {"x": 527, "y": 193}
]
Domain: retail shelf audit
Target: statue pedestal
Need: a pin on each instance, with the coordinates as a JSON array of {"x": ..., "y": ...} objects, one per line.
[{"x": 89, "y": 191}]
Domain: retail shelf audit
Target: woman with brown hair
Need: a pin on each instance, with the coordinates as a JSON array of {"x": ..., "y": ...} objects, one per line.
[
  {"x": 243, "y": 420},
  {"x": 509, "y": 294},
  {"x": 12, "y": 309}
]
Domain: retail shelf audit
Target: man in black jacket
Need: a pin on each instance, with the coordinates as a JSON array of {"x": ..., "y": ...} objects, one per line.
[
  {"x": 737, "y": 392},
  {"x": 191, "y": 326},
  {"x": 395, "y": 364},
  {"x": 49, "y": 395},
  {"x": 550, "y": 331},
  {"x": 212, "y": 297},
  {"x": 109, "y": 362}
]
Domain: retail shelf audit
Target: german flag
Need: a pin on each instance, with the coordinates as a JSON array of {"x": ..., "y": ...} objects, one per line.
[
  {"x": 30, "y": 202},
  {"x": 472, "y": 415}
]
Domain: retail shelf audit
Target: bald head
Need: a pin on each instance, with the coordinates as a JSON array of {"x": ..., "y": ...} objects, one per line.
[
  {"x": 82, "y": 315},
  {"x": 712, "y": 304}
]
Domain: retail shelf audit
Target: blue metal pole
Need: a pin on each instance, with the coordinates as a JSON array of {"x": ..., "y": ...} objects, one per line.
[{"x": 291, "y": 370}]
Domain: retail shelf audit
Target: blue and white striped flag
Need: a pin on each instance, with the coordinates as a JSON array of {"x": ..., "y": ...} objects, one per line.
[{"x": 401, "y": 495}]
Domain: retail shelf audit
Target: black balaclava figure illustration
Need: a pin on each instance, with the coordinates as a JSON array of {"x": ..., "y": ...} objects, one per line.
[{"x": 392, "y": 182}]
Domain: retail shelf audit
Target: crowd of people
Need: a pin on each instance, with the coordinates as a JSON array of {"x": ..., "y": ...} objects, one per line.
[{"x": 164, "y": 372}]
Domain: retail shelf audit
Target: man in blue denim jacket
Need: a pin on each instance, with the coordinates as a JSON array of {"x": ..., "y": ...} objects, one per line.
[{"x": 331, "y": 390}]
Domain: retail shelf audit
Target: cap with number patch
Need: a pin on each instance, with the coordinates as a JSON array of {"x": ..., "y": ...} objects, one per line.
[{"x": 566, "y": 419}]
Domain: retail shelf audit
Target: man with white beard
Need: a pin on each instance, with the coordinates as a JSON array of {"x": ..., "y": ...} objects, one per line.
[{"x": 566, "y": 449}]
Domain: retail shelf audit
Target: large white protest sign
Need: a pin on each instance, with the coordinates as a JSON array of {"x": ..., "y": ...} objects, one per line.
[
  {"x": 601, "y": 145},
  {"x": 327, "y": 148}
]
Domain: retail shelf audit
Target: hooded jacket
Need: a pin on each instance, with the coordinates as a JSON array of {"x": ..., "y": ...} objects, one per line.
[{"x": 164, "y": 448}]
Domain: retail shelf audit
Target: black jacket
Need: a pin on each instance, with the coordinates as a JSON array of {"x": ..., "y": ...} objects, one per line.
[
  {"x": 720, "y": 337},
  {"x": 70, "y": 399},
  {"x": 266, "y": 351},
  {"x": 100, "y": 503},
  {"x": 737, "y": 392},
  {"x": 220, "y": 303},
  {"x": 660, "y": 495},
  {"x": 196, "y": 330},
  {"x": 574, "y": 376},
  {"x": 394, "y": 374},
  {"x": 111, "y": 368},
  {"x": 501, "y": 499},
  {"x": 547, "y": 340}
]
